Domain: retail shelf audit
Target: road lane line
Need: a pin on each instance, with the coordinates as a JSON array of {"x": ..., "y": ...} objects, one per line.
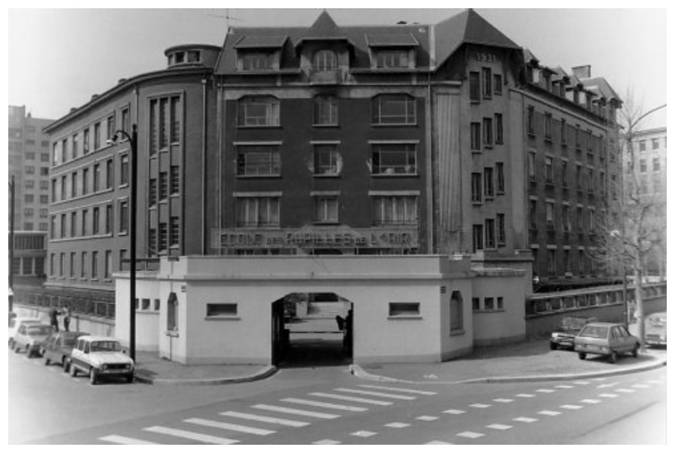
[
  {"x": 262, "y": 418},
  {"x": 480, "y": 405},
  {"x": 470, "y": 434},
  {"x": 454, "y": 411},
  {"x": 352, "y": 398},
  {"x": 625, "y": 390},
  {"x": 549, "y": 413},
  {"x": 591, "y": 401},
  {"x": 324, "y": 405},
  {"x": 640, "y": 386},
  {"x": 581, "y": 382},
  {"x": 499, "y": 426},
  {"x": 427, "y": 418},
  {"x": 191, "y": 435},
  {"x": 397, "y": 425},
  {"x": 604, "y": 386},
  {"x": 229, "y": 426},
  {"x": 363, "y": 434},
  {"x": 545, "y": 390},
  {"x": 573, "y": 407},
  {"x": 525, "y": 419},
  {"x": 653, "y": 381},
  {"x": 327, "y": 442},
  {"x": 396, "y": 389},
  {"x": 289, "y": 410},
  {"x": 502, "y": 400},
  {"x": 115, "y": 439},
  {"x": 383, "y": 395},
  {"x": 564, "y": 386},
  {"x": 608, "y": 395},
  {"x": 525, "y": 395}
]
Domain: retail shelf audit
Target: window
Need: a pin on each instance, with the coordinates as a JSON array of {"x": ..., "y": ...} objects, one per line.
[
  {"x": 108, "y": 218},
  {"x": 152, "y": 192},
  {"x": 28, "y": 198},
  {"x": 394, "y": 158},
  {"x": 28, "y": 212},
  {"x": 501, "y": 230},
  {"x": 563, "y": 132},
  {"x": 580, "y": 218},
  {"x": 566, "y": 224},
  {"x": 477, "y": 238},
  {"x": 456, "y": 312},
  {"x": 487, "y": 83},
  {"x": 85, "y": 141},
  {"x": 501, "y": 184},
  {"x": 476, "y": 187},
  {"x": 44, "y": 185},
  {"x": 549, "y": 169},
  {"x": 94, "y": 264},
  {"x": 490, "y": 233},
  {"x": 153, "y": 127},
  {"x": 174, "y": 231},
  {"x": 156, "y": 304},
  {"x": 124, "y": 170},
  {"x": 655, "y": 143},
  {"x": 498, "y": 84},
  {"x": 327, "y": 160},
  {"x": 255, "y": 61},
  {"x": 547, "y": 126},
  {"x": 325, "y": 111},
  {"x": 258, "y": 111},
  {"x": 551, "y": 262},
  {"x": 163, "y": 185},
  {"x": 404, "y": 309},
  {"x": 643, "y": 145},
  {"x": 172, "y": 313},
  {"x": 76, "y": 145},
  {"x": 126, "y": 125},
  {"x": 393, "y": 58},
  {"x": 29, "y": 169},
  {"x": 52, "y": 268},
  {"x": 475, "y": 136},
  {"x": 563, "y": 172},
  {"x": 326, "y": 209},
  {"x": 499, "y": 138},
  {"x": 108, "y": 264},
  {"x": 109, "y": 174},
  {"x": 163, "y": 123},
  {"x": 577, "y": 137},
  {"x": 63, "y": 225},
  {"x": 29, "y": 156},
  {"x": 487, "y": 132},
  {"x": 578, "y": 177},
  {"x": 567, "y": 267},
  {"x": 52, "y": 227},
  {"x": 44, "y": 171},
  {"x": 656, "y": 164},
  {"x": 395, "y": 210},
  {"x": 257, "y": 211},
  {"x": 64, "y": 187},
  {"x": 97, "y": 136},
  {"x": 44, "y": 199},
  {"x": 175, "y": 120},
  {"x": 85, "y": 181},
  {"x": 73, "y": 184},
  {"x": 124, "y": 216},
  {"x": 64, "y": 149},
  {"x": 27, "y": 266},
  {"x": 152, "y": 241},
  {"x": 163, "y": 236},
  {"x": 643, "y": 165},
  {"x": 96, "y": 220},
  {"x": 214, "y": 310},
  {"x": 489, "y": 303},
  {"x": 394, "y": 109},
  {"x": 325, "y": 60},
  {"x": 489, "y": 182},
  {"x": 62, "y": 259},
  {"x": 531, "y": 167},
  {"x": 549, "y": 214},
  {"x": 97, "y": 177},
  {"x": 85, "y": 220},
  {"x": 44, "y": 157},
  {"x": 258, "y": 160},
  {"x": 174, "y": 181},
  {"x": 530, "y": 120},
  {"x": 110, "y": 130},
  {"x": 73, "y": 224},
  {"x": 44, "y": 213},
  {"x": 474, "y": 86},
  {"x": 475, "y": 303},
  {"x": 29, "y": 184}
]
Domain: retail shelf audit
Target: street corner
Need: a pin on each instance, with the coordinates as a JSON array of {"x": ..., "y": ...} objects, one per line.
[{"x": 205, "y": 375}]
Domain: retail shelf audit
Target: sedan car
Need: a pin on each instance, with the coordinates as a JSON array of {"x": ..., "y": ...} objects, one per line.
[
  {"x": 16, "y": 323},
  {"x": 563, "y": 336},
  {"x": 656, "y": 329},
  {"x": 606, "y": 339},
  {"x": 30, "y": 338},
  {"x": 100, "y": 357},
  {"x": 57, "y": 348}
]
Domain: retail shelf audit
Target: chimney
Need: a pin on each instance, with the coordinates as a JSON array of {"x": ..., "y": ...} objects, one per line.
[
  {"x": 121, "y": 81},
  {"x": 94, "y": 96},
  {"x": 401, "y": 22},
  {"x": 72, "y": 109},
  {"x": 582, "y": 72}
]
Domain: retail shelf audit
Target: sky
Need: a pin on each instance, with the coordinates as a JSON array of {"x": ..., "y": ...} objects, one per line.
[{"x": 58, "y": 58}]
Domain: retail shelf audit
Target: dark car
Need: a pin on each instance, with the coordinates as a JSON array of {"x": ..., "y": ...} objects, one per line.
[
  {"x": 656, "y": 329},
  {"x": 56, "y": 349},
  {"x": 563, "y": 336},
  {"x": 605, "y": 339}
]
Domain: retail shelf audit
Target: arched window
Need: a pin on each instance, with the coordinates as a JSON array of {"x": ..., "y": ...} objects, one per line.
[
  {"x": 326, "y": 110},
  {"x": 394, "y": 109},
  {"x": 258, "y": 111},
  {"x": 456, "y": 312},
  {"x": 325, "y": 60}
]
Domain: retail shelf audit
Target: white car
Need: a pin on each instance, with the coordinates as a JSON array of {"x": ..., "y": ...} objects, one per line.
[
  {"x": 100, "y": 357},
  {"x": 16, "y": 323}
]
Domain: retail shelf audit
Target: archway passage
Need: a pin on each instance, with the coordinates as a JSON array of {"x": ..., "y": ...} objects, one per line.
[{"x": 312, "y": 329}]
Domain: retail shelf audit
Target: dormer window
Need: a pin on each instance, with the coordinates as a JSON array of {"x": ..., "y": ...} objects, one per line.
[
  {"x": 255, "y": 61},
  {"x": 325, "y": 60},
  {"x": 392, "y": 58}
]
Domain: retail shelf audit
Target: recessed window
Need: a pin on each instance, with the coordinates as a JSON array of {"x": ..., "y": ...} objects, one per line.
[
  {"x": 475, "y": 303},
  {"x": 394, "y": 109},
  {"x": 476, "y": 187},
  {"x": 393, "y": 59},
  {"x": 172, "y": 313},
  {"x": 395, "y": 210},
  {"x": 325, "y": 60},
  {"x": 477, "y": 238},
  {"x": 499, "y": 129},
  {"x": 456, "y": 312},
  {"x": 498, "y": 84},
  {"x": 475, "y": 136},
  {"x": 258, "y": 111},
  {"x": 145, "y": 304},
  {"x": 489, "y": 303},
  {"x": 474, "y": 86},
  {"x": 257, "y": 61},
  {"x": 193, "y": 56},
  {"x": 487, "y": 132},
  {"x": 404, "y": 309},
  {"x": 487, "y": 83},
  {"x": 394, "y": 159},
  {"x": 257, "y": 211},
  {"x": 221, "y": 310},
  {"x": 256, "y": 160},
  {"x": 325, "y": 111},
  {"x": 326, "y": 209},
  {"x": 327, "y": 160}
]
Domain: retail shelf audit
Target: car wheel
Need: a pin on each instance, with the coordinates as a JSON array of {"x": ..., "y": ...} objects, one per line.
[
  {"x": 582, "y": 355},
  {"x": 93, "y": 376},
  {"x": 65, "y": 365},
  {"x": 635, "y": 351},
  {"x": 47, "y": 361},
  {"x": 554, "y": 346},
  {"x": 17, "y": 349},
  {"x": 73, "y": 370},
  {"x": 130, "y": 378},
  {"x": 29, "y": 352},
  {"x": 612, "y": 357}
]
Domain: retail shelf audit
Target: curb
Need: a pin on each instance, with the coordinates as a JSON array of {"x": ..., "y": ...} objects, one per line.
[
  {"x": 359, "y": 372},
  {"x": 267, "y": 372}
]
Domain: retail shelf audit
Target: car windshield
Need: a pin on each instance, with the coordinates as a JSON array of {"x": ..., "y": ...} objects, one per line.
[
  {"x": 38, "y": 330},
  {"x": 594, "y": 332},
  {"x": 98, "y": 346}
]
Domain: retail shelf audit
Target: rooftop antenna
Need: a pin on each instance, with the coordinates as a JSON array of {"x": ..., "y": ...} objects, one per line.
[{"x": 227, "y": 18}]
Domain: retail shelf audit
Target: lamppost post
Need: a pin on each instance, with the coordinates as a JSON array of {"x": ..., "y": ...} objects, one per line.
[{"x": 11, "y": 244}]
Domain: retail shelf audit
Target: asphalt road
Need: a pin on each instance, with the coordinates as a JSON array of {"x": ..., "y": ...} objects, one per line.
[{"x": 327, "y": 405}]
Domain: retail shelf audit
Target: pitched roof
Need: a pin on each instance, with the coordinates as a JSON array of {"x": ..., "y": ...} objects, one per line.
[
  {"x": 601, "y": 86},
  {"x": 391, "y": 40},
  {"x": 324, "y": 26},
  {"x": 467, "y": 27},
  {"x": 261, "y": 42}
]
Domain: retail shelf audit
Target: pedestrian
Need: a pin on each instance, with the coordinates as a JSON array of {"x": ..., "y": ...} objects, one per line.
[
  {"x": 66, "y": 318},
  {"x": 53, "y": 319}
]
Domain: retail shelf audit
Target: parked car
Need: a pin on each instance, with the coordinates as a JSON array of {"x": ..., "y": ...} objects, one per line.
[
  {"x": 57, "y": 347},
  {"x": 14, "y": 325},
  {"x": 656, "y": 329},
  {"x": 100, "y": 357},
  {"x": 563, "y": 336},
  {"x": 30, "y": 337},
  {"x": 606, "y": 339}
]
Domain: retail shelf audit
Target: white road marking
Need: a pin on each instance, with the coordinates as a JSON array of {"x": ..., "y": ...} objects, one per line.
[
  {"x": 525, "y": 395},
  {"x": 470, "y": 434},
  {"x": 454, "y": 411},
  {"x": 190, "y": 435},
  {"x": 525, "y": 419},
  {"x": 289, "y": 410},
  {"x": 591, "y": 401},
  {"x": 573, "y": 407},
  {"x": 480, "y": 405},
  {"x": 397, "y": 425},
  {"x": 383, "y": 395},
  {"x": 324, "y": 405},
  {"x": 262, "y": 418},
  {"x": 355, "y": 399},
  {"x": 581, "y": 382},
  {"x": 363, "y": 434},
  {"x": 326, "y": 442},
  {"x": 604, "y": 386},
  {"x": 499, "y": 427},
  {"x": 640, "y": 386},
  {"x": 229, "y": 426},
  {"x": 545, "y": 390},
  {"x": 608, "y": 395},
  {"x": 564, "y": 386},
  {"x": 653, "y": 381},
  {"x": 625, "y": 390},
  {"x": 438, "y": 442},
  {"x": 396, "y": 389},
  {"x": 502, "y": 400},
  {"x": 115, "y": 439},
  {"x": 549, "y": 413},
  {"x": 427, "y": 418}
]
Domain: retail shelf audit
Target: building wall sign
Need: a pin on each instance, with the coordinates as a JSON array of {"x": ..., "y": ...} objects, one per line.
[{"x": 317, "y": 237}]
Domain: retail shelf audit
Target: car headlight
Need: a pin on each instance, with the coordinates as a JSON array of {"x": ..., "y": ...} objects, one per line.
[
  {"x": 554, "y": 335},
  {"x": 604, "y": 349}
]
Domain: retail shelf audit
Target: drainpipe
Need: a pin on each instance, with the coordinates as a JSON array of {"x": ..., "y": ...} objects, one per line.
[{"x": 203, "y": 181}]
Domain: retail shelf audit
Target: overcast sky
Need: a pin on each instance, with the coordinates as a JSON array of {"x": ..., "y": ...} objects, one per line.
[{"x": 58, "y": 58}]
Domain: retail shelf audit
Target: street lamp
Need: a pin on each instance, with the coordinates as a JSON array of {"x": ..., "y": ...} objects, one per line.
[
  {"x": 11, "y": 245},
  {"x": 132, "y": 235}
]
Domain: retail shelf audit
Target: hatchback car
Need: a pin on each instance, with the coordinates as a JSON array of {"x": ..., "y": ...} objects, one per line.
[
  {"x": 56, "y": 348},
  {"x": 100, "y": 357},
  {"x": 563, "y": 336},
  {"x": 606, "y": 339},
  {"x": 30, "y": 337},
  {"x": 16, "y": 323},
  {"x": 656, "y": 329}
]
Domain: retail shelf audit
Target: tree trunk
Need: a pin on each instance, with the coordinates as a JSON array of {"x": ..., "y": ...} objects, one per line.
[{"x": 639, "y": 308}]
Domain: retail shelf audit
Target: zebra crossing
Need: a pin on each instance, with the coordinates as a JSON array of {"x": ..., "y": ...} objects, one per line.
[{"x": 265, "y": 419}]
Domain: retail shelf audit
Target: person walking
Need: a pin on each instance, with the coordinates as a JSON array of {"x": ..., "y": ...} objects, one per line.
[
  {"x": 66, "y": 319},
  {"x": 53, "y": 319}
]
